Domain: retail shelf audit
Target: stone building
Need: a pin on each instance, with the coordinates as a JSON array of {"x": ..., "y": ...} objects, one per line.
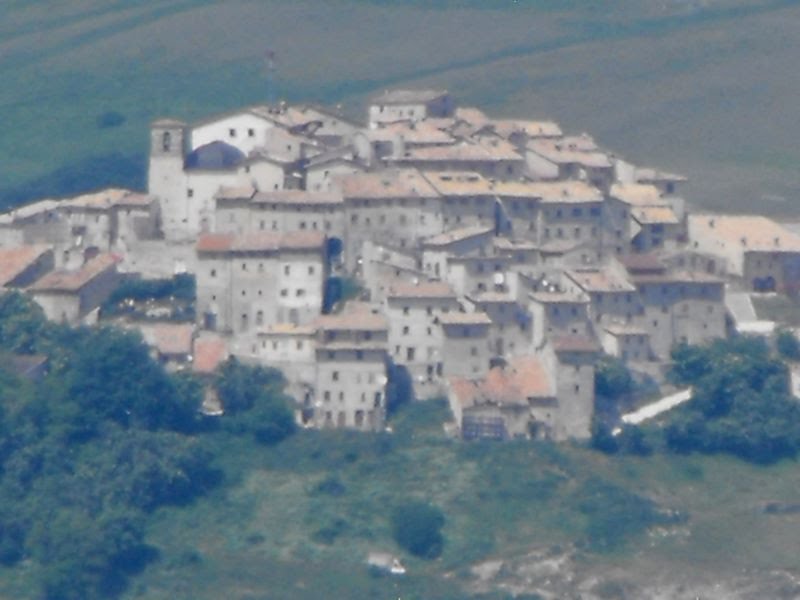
[
  {"x": 761, "y": 254},
  {"x": 656, "y": 220},
  {"x": 351, "y": 359},
  {"x": 70, "y": 296},
  {"x": 409, "y": 105},
  {"x": 573, "y": 157},
  {"x": 397, "y": 207},
  {"x": 558, "y": 313},
  {"x": 416, "y": 340},
  {"x": 241, "y": 210},
  {"x": 475, "y": 240},
  {"x": 468, "y": 199},
  {"x": 676, "y": 306},
  {"x": 515, "y": 401},
  {"x": 492, "y": 158},
  {"x": 245, "y": 282},
  {"x": 465, "y": 348},
  {"x": 510, "y": 333},
  {"x": 549, "y": 394},
  {"x": 292, "y": 350}
]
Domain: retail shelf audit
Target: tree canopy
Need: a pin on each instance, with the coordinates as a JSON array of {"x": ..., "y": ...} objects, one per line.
[
  {"x": 741, "y": 403},
  {"x": 102, "y": 440}
]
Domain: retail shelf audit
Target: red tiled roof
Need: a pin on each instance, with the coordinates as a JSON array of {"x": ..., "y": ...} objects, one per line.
[
  {"x": 209, "y": 351},
  {"x": 523, "y": 378}
]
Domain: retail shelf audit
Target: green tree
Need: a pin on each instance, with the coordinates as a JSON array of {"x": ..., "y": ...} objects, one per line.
[
  {"x": 612, "y": 378},
  {"x": 787, "y": 345},
  {"x": 741, "y": 402},
  {"x": 254, "y": 402}
]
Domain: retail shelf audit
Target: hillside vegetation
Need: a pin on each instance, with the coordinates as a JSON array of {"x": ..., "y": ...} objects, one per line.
[{"x": 695, "y": 87}]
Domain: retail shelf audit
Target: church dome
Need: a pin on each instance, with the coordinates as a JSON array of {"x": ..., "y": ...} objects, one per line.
[{"x": 214, "y": 156}]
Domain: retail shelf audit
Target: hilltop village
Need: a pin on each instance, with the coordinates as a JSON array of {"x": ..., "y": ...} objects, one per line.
[{"x": 491, "y": 261}]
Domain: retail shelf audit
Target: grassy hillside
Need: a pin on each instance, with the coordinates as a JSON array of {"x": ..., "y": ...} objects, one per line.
[
  {"x": 700, "y": 87},
  {"x": 297, "y": 520}
]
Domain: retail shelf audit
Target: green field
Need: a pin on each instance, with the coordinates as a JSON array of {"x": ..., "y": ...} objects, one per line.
[{"x": 699, "y": 87}]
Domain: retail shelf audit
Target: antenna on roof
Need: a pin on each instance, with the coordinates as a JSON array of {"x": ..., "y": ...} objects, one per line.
[{"x": 270, "y": 69}]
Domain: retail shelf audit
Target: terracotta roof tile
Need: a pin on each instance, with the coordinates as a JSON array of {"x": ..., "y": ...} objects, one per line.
[
  {"x": 457, "y": 235},
  {"x": 209, "y": 351},
  {"x": 260, "y": 241},
  {"x": 297, "y": 197},
  {"x": 460, "y": 318},
  {"x": 746, "y": 232},
  {"x": 425, "y": 289},
  {"x": 522, "y": 379},
  {"x": 168, "y": 338},
  {"x": 390, "y": 183},
  {"x": 14, "y": 261},
  {"x": 72, "y": 281},
  {"x": 599, "y": 280},
  {"x": 355, "y": 316},
  {"x": 574, "y": 343}
]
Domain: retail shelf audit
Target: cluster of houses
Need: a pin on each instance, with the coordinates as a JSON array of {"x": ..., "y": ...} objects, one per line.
[{"x": 496, "y": 259}]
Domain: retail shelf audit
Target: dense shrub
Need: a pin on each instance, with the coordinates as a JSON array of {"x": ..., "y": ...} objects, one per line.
[{"x": 417, "y": 528}]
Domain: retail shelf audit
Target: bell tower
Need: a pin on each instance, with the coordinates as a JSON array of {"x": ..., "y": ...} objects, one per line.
[{"x": 165, "y": 178}]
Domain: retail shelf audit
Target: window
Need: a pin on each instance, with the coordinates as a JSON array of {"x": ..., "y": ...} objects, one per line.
[
  {"x": 359, "y": 356},
  {"x": 311, "y": 270},
  {"x": 473, "y": 351},
  {"x": 286, "y": 269},
  {"x": 260, "y": 317},
  {"x": 405, "y": 330},
  {"x": 190, "y": 193},
  {"x": 244, "y": 266},
  {"x": 251, "y": 132},
  {"x": 213, "y": 272},
  {"x": 410, "y": 352},
  {"x": 232, "y": 133},
  {"x": 335, "y": 375},
  {"x": 405, "y": 310},
  {"x": 300, "y": 293},
  {"x": 577, "y": 212},
  {"x": 284, "y": 292},
  {"x": 327, "y": 396},
  {"x": 166, "y": 141}
]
